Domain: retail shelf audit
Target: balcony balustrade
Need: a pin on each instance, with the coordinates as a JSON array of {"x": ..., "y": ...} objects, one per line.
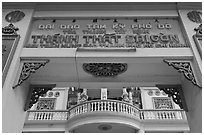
[{"x": 106, "y": 106}]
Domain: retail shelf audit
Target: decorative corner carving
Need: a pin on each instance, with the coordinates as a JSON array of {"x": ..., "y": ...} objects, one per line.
[
  {"x": 35, "y": 92},
  {"x": 29, "y": 68},
  {"x": 105, "y": 69},
  {"x": 198, "y": 31},
  {"x": 195, "y": 16},
  {"x": 185, "y": 68},
  {"x": 10, "y": 29},
  {"x": 174, "y": 91}
]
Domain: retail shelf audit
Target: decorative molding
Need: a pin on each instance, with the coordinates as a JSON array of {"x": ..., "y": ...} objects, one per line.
[
  {"x": 35, "y": 92},
  {"x": 29, "y": 68},
  {"x": 9, "y": 45},
  {"x": 14, "y": 16},
  {"x": 10, "y": 29},
  {"x": 198, "y": 39},
  {"x": 105, "y": 69},
  {"x": 185, "y": 68},
  {"x": 195, "y": 16},
  {"x": 174, "y": 91}
]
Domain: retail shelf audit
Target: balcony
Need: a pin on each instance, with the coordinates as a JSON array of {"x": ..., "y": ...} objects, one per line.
[{"x": 115, "y": 111}]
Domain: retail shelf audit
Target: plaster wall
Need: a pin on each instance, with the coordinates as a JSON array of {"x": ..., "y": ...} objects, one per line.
[
  {"x": 193, "y": 97},
  {"x": 13, "y": 100},
  {"x": 189, "y": 30}
]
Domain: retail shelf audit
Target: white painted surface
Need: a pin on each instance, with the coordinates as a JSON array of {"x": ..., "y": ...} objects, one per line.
[
  {"x": 147, "y": 101},
  {"x": 13, "y": 100}
]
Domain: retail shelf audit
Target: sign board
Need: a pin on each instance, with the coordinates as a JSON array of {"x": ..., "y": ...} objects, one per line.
[{"x": 106, "y": 33}]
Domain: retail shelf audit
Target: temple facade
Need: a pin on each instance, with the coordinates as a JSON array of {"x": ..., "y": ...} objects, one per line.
[{"x": 102, "y": 67}]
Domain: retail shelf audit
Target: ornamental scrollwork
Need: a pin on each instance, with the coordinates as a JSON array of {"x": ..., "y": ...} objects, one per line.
[
  {"x": 105, "y": 69},
  {"x": 35, "y": 93},
  {"x": 198, "y": 31},
  {"x": 175, "y": 92},
  {"x": 194, "y": 16},
  {"x": 185, "y": 68},
  {"x": 10, "y": 29},
  {"x": 29, "y": 68}
]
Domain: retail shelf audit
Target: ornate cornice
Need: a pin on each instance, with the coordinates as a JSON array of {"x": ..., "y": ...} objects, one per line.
[
  {"x": 174, "y": 91},
  {"x": 105, "y": 69},
  {"x": 35, "y": 92},
  {"x": 185, "y": 68},
  {"x": 29, "y": 68}
]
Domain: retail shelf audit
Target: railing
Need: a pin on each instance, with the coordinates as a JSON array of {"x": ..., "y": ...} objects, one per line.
[
  {"x": 162, "y": 114},
  {"x": 48, "y": 115},
  {"x": 107, "y": 106}
]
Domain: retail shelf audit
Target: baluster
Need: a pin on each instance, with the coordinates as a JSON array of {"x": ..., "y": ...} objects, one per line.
[
  {"x": 115, "y": 106},
  {"x": 126, "y": 111},
  {"x": 101, "y": 106},
  {"x": 167, "y": 115},
  {"x": 108, "y": 106},
  {"x": 92, "y": 107},
  {"x": 81, "y": 109},
  {"x": 45, "y": 116},
  {"x": 48, "y": 116},
  {"x": 77, "y": 110},
  {"x": 118, "y": 107},
  {"x": 105, "y": 105},
  {"x": 162, "y": 117},
  {"x": 39, "y": 114},
  {"x": 121, "y": 107},
  {"x": 96, "y": 106},
  {"x": 41, "y": 117},
  {"x": 85, "y": 108},
  {"x": 158, "y": 115}
]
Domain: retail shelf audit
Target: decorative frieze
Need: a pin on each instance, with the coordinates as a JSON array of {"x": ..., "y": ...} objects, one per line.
[
  {"x": 105, "y": 69},
  {"x": 35, "y": 92},
  {"x": 185, "y": 68},
  {"x": 29, "y": 68}
]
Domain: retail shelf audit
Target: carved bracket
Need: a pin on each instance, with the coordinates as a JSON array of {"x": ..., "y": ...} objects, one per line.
[
  {"x": 105, "y": 69},
  {"x": 29, "y": 68},
  {"x": 185, "y": 68},
  {"x": 35, "y": 92},
  {"x": 174, "y": 91}
]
